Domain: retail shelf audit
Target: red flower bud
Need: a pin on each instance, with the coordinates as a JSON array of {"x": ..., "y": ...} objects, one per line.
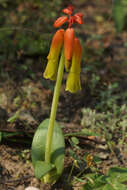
[
  {"x": 68, "y": 10},
  {"x": 78, "y": 18},
  {"x": 60, "y": 21}
]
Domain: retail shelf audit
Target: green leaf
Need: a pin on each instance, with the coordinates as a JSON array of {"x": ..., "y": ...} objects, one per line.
[
  {"x": 89, "y": 132},
  {"x": 112, "y": 181},
  {"x": 103, "y": 185},
  {"x": 117, "y": 186},
  {"x": 13, "y": 118},
  {"x": 75, "y": 140},
  {"x": 119, "y": 14},
  {"x": 57, "y": 150},
  {"x": 119, "y": 174},
  {"x": 73, "y": 155},
  {"x": 42, "y": 168},
  {"x": 97, "y": 159},
  {"x": 7, "y": 134},
  {"x": 0, "y": 136}
]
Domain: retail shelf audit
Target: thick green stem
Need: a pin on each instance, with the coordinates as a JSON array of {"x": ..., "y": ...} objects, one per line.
[{"x": 54, "y": 109}]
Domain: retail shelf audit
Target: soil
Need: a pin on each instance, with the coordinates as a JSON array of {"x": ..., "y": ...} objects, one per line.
[{"x": 33, "y": 100}]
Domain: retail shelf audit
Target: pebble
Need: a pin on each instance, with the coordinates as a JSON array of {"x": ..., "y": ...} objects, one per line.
[
  {"x": 103, "y": 155},
  {"x": 31, "y": 188}
]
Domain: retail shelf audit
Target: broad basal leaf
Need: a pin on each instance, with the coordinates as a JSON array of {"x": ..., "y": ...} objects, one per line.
[
  {"x": 42, "y": 168},
  {"x": 57, "y": 150}
]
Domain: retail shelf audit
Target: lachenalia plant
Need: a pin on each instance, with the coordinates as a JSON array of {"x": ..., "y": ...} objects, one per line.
[{"x": 48, "y": 142}]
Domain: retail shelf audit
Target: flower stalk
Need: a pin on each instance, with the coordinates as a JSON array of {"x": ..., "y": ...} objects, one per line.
[
  {"x": 54, "y": 108},
  {"x": 70, "y": 58}
]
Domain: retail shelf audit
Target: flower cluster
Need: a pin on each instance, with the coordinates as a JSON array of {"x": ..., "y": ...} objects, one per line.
[{"x": 72, "y": 50}]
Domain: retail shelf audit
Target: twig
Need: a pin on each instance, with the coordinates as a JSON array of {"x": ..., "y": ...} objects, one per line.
[{"x": 19, "y": 28}]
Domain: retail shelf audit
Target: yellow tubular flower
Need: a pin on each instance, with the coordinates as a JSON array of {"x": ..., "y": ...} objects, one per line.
[
  {"x": 73, "y": 80},
  {"x": 53, "y": 56}
]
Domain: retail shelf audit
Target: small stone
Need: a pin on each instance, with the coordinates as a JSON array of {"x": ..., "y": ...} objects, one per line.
[
  {"x": 103, "y": 147},
  {"x": 21, "y": 187},
  {"x": 103, "y": 155},
  {"x": 31, "y": 188},
  {"x": 3, "y": 100}
]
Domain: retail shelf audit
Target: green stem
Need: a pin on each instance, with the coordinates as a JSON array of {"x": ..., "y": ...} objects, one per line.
[
  {"x": 70, "y": 174},
  {"x": 54, "y": 109}
]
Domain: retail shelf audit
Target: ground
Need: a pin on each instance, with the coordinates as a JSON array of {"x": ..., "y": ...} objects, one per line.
[{"x": 28, "y": 97}]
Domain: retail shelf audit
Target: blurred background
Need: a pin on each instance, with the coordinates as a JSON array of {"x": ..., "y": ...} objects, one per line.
[
  {"x": 26, "y": 29},
  {"x": 99, "y": 109}
]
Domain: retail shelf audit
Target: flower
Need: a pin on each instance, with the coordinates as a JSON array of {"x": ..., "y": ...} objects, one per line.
[
  {"x": 68, "y": 46},
  {"x": 72, "y": 50},
  {"x": 73, "y": 80},
  {"x": 55, "y": 49},
  {"x": 68, "y": 10},
  {"x": 60, "y": 21},
  {"x": 77, "y": 18},
  {"x": 69, "y": 33}
]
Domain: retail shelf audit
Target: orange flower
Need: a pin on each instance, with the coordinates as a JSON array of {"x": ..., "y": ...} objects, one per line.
[
  {"x": 73, "y": 80},
  {"x": 68, "y": 10},
  {"x": 78, "y": 18},
  {"x": 60, "y": 21},
  {"x": 68, "y": 46},
  {"x": 55, "y": 49},
  {"x": 72, "y": 50}
]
